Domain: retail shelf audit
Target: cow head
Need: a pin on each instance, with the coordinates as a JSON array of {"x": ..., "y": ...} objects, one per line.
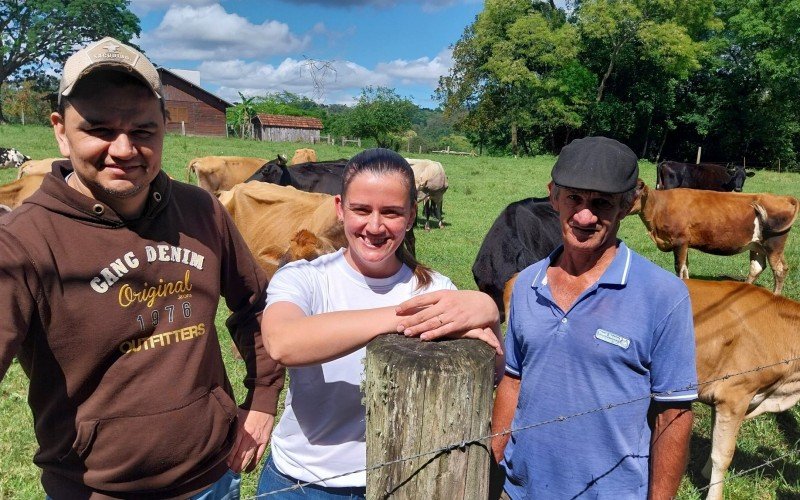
[
  {"x": 737, "y": 175},
  {"x": 274, "y": 172},
  {"x": 641, "y": 195}
]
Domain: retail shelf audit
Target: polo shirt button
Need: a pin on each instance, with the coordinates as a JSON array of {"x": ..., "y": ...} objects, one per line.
[{"x": 563, "y": 320}]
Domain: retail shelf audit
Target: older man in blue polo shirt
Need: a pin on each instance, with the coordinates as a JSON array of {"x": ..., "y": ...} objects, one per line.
[{"x": 602, "y": 337}]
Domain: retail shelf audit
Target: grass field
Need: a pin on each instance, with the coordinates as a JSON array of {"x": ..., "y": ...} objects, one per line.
[{"x": 479, "y": 189}]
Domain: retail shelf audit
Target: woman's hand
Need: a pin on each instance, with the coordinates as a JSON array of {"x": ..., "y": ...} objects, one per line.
[{"x": 451, "y": 313}]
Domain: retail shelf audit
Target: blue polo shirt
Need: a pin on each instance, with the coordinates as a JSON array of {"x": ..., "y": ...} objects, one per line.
[{"x": 628, "y": 336}]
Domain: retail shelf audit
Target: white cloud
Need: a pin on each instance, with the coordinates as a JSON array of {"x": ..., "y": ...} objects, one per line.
[
  {"x": 210, "y": 33},
  {"x": 291, "y": 75},
  {"x": 422, "y": 71}
]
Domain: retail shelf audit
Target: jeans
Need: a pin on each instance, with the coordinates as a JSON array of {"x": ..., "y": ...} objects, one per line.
[
  {"x": 272, "y": 480},
  {"x": 226, "y": 488}
]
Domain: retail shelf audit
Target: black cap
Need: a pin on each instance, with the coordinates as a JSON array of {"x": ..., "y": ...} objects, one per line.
[{"x": 596, "y": 164}]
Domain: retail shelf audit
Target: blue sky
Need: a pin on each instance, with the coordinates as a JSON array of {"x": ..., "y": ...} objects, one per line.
[{"x": 267, "y": 46}]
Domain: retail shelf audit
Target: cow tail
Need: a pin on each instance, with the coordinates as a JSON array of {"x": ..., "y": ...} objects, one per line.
[
  {"x": 190, "y": 171},
  {"x": 776, "y": 225}
]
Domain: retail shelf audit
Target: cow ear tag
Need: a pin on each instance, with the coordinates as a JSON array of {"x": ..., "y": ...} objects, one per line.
[{"x": 612, "y": 338}]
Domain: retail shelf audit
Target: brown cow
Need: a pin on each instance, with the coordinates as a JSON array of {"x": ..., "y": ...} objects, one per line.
[
  {"x": 303, "y": 155},
  {"x": 221, "y": 173},
  {"x": 272, "y": 218},
  {"x": 720, "y": 224},
  {"x": 37, "y": 167},
  {"x": 744, "y": 337},
  {"x": 747, "y": 360},
  {"x": 14, "y": 193}
]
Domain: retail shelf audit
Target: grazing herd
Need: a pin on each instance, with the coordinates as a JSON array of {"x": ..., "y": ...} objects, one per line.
[{"x": 285, "y": 212}]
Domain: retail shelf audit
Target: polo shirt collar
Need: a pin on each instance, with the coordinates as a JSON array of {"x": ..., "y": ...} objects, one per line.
[{"x": 616, "y": 274}]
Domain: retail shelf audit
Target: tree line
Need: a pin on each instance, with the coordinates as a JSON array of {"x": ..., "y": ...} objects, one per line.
[
  {"x": 663, "y": 76},
  {"x": 379, "y": 115}
]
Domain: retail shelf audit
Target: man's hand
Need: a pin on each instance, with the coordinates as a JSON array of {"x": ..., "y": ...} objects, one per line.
[{"x": 252, "y": 437}]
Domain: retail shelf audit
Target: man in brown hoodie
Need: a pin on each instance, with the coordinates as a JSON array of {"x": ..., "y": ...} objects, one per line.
[{"x": 110, "y": 278}]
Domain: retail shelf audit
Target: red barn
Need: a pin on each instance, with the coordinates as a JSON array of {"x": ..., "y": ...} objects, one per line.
[{"x": 191, "y": 109}]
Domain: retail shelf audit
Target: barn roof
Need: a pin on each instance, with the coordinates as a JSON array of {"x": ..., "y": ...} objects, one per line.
[
  {"x": 286, "y": 121},
  {"x": 170, "y": 78}
]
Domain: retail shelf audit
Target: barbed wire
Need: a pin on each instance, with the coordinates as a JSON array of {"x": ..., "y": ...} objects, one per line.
[
  {"x": 462, "y": 445},
  {"x": 755, "y": 468}
]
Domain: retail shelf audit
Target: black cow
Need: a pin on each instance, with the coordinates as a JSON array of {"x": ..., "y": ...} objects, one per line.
[
  {"x": 708, "y": 176},
  {"x": 525, "y": 232},
  {"x": 313, "y": 177},
  {"x": 12, "y": 158}
]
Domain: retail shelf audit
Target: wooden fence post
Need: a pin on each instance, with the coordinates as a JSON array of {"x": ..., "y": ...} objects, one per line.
[{"x": 422, "y": 396}]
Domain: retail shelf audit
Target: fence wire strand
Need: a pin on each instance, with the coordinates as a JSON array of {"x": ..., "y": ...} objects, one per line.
[
  {"x": 562, "y": 418},
  {"x": 771, "y": 461}
]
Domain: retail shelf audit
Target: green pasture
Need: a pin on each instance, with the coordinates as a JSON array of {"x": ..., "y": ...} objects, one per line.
[{"x": 480, "y": 187}]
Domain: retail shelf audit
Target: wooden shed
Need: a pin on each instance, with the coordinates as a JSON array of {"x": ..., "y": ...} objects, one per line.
[
  {"x": 283, "y": 128},
  {"x": 201, "y": 112}
]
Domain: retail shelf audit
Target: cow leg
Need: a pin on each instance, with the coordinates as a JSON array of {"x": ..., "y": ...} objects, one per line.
[
  {"x": 758, "y": 261},
  {"x": 439, "y": 214},
  {"x": 777, "y": 260},
  {"x": 728, "y": 418},
  {"x": 681, "y": 260},
  {"x": 706, "y": 472},
  {"x": 779, "y": 269},
  {"x": 426, "y": 212}
]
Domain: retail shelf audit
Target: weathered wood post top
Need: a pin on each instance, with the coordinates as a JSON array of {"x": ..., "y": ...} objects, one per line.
[{"x": 422, "y": 397}]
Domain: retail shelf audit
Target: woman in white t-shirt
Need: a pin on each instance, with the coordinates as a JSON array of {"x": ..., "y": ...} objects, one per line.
[{"x": 321, "y": 314}]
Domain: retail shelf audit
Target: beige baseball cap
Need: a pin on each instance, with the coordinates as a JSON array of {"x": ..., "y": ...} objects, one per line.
[{"x": 108, "y": 53}]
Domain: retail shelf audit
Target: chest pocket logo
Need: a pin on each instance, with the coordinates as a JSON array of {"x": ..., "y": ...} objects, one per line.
[{"x": 612, "y": 338}]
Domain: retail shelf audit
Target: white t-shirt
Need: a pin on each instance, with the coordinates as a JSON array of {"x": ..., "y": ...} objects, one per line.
[{"x": 322, "y": 432}]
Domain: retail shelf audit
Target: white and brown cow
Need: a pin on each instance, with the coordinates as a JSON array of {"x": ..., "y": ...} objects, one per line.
[
  {"x": 748, "y": 361},
  {"x": 431, "y": 181},
  {"x": 720, "y": 224}
]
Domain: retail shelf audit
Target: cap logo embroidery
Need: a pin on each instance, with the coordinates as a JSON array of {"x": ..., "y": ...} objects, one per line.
[{"x": 111, "y": 51}]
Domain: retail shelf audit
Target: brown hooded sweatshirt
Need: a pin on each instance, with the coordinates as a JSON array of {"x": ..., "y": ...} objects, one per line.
[{"x": 113, "y": 322}]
